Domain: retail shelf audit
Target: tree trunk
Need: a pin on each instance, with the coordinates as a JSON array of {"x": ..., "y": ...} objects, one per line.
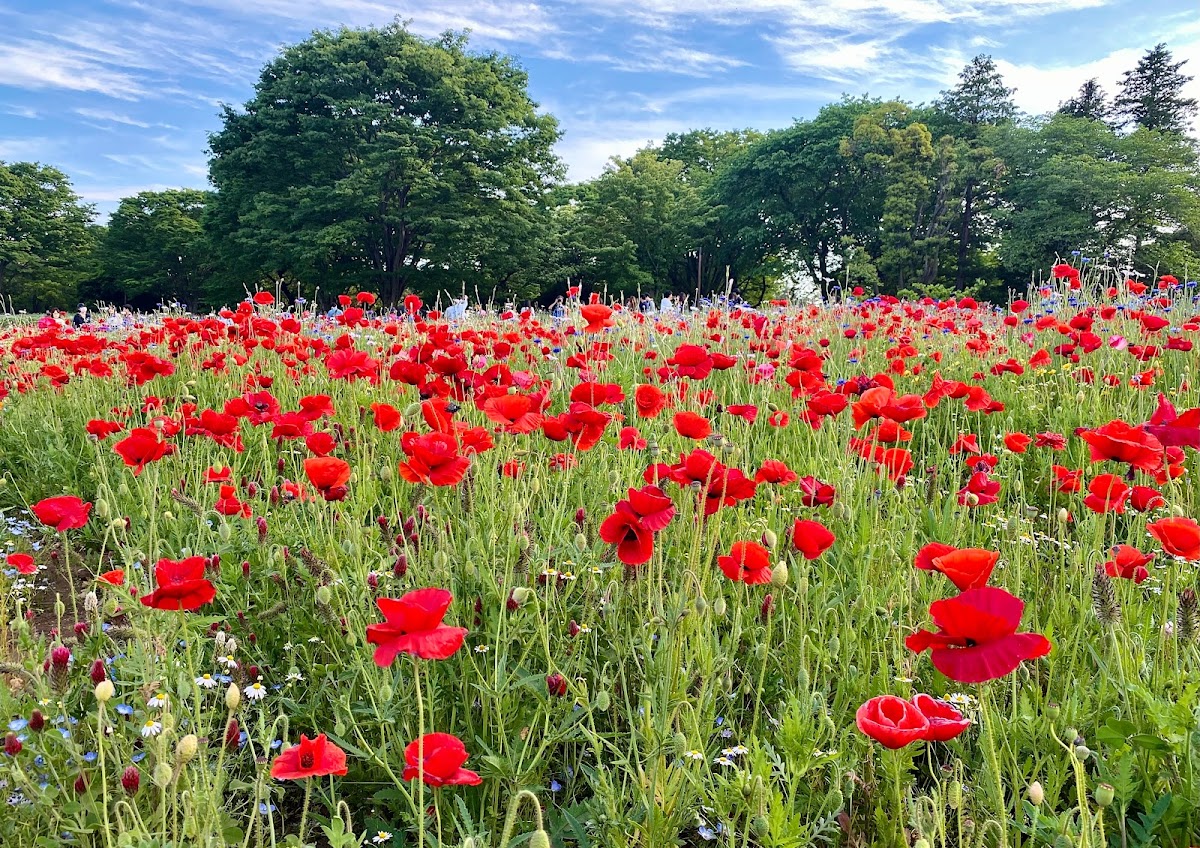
[{"x": 964, "y": 237}]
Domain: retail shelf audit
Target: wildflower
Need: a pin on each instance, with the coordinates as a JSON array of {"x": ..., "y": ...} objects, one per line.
[
  {"x": 151, "y": 728},
  {"x": 158, "y": 701},
  {"x": 381, "y": 837},
  {"x": 255, "y": 691},
  {"x": 311, "y": 758},
  {"x": 444, "y": 756},
  {"x": 413, "y": 625}
]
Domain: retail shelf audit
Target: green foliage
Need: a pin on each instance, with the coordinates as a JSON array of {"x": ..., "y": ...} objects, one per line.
[
  {"x": 45, "y": 237},
  {"x": 379, "y": 160},
  {"x": 1151, "y": 94}
]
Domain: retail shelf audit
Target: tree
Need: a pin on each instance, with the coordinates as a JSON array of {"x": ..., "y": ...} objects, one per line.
[
  {"x": 1151, "y": 95},
  {"x": 155, "y": 248},
  {"x": 1091, "y": 103},
  {"x": 980, "y": 100},
  {"x": 44, "y": 235},
  {"x": 380, "y": 160}
]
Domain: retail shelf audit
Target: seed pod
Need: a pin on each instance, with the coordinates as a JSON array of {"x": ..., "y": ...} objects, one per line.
[{"x": 1104, "y": 794}]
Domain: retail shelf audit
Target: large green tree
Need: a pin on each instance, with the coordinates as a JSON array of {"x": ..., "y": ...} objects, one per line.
[
  {"x": 45, "y": 238},
  {"x": 155, "y": 249},
  {"x": 1090, "y": 102},
  {"x": 377, "y": 159},
  {"x": 1151, "y": 95}
]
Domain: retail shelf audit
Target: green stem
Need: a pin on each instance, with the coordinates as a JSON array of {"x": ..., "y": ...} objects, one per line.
[
  {"x": 420, "y": 756},
  {"x": 989, "y": 737},
  {"x": 304, "y": 810}
]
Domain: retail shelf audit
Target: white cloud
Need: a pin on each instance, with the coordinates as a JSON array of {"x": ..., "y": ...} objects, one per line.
[
  {"x": 111, "y": 117},
  {"x": 40, "y": 65},
  {"x": 28, "y": 149}
]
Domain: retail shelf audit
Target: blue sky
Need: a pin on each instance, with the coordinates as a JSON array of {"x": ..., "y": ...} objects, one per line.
[{"x": 121, "y": 94}]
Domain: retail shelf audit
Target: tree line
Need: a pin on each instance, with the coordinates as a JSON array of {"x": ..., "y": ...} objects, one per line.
[{"x": 374, "y": 159}]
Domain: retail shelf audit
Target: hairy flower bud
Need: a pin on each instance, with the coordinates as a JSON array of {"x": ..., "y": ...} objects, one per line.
[
  {"x": 1035, "y": 793},
  {"x": 186, "y": 749},
  {"x": 233, "y": 697},
  {"x": 105, "y": 691}
]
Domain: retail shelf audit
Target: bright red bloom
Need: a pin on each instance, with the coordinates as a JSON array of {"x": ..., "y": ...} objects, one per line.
[
  {"x": 181, "y": 585},
  {"x": 433, "y": 458},
  {"x": 413, "y": 625},
  {"x": 816, "y": 493},
  {"x": 691, "y": 361},
  {"x": 228, "y": 503},
  {"x": 1178, "y": 536},
  {"x": 967, "y": 568},
  {"x": 1054, "y": 441},
  {"x": 892, "y": 722},
  {"x": 1129, "y": 563},
  {"x": 264, "y": 298},
  {"x": 1174, "y": 429},
  {"x": 811, "y": 538},
  {"x": 516, "y": 413},
  {"x": 103, "y": 429},
  {"x": 1146, "y": 498},
  {"x": 438, "y": 759},
  {"x": 1107, "y": 493},
  {"x": 23, "y": 563},
  {"x": 598, "y": 316},
  {"x": 625, "y": 529},
  {"x": 218, "y": 475},
  {"x": 141, "y": 447},
  {"x": 311, "y": 758},
  {"x": 1124, "y": 443},
  {"x": 691, "y": 425},
  {"x": 945, "y": 722},
  {"x": 977, "y": 638},
  {"x": 630, "y": 439},
  {"x": 775, "y": 471},
  {"x": 328, "y": 475},
  {"x": 116, "y": 577},
  {"x": 649, "y": 400},
  {"x": 62, "y": 512},
  {"x": 1066, "y": 480},
  {"x": 746, "y": 562},
  {"x": 387, "y": 417},
  {"x": 1017, "y": 442},
  {"x": 320, "y": 444},
  {"x": 980, "y": 490}
]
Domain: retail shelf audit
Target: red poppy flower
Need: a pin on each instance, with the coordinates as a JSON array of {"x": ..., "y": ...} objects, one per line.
[
  {"x": 775, "y": 471},
  {"x": 101, "y": 430},
  {"x": 626, "y": 529},
  {"x": 366, "y": 298},
  {"x": 413, "y": 625},
  {"x": 811, "y": 538},
  {"x": 328, "y": 475},
  {"x": 748, "y": 412},
  {"x": 1054, "y": 441},
  {"x": 181, "y": 585},
  {"x": 649, "y": 400},
  {"x": 816, "y": 493},
  {"x": 945, "y": 722},
  {"x": 1146, "y": 498},
  {"x": 980, "y": 490},
  {"x": 598, "y": 316},
  {"x": 892, "y": 722},
  {"x": 228, "y": 503},
  {"x": 62, "y": 512},
  {"x": 1178, "y": 536},
  {"x": 690, "y": 425},
  {"x": 311, "y": 758},
  {"x": 320, "y": 444},
  {"x": 23, "y": 563},
  {"x": 977, "y": 638},
  {"x": 141, "y": 447},
  {"x": 1107, "y": 493},
  {"x": 1129, "y": 563},
  {"x": 433, "y": 458},
  {"x": 116, "y": 577},
  {"x": 440, "y": 757},
  {"x": 630, "y": 439},
  {"x": 264, "y": 298},
  {"x": 691, "y": 361},
  {"x": 1124, "y": 443},
  {"x": 967, "y": 568},
  {"x": 1172, "y": 428},
  {"x": 746, "y": 562},
  {"x": 516, "y": 413},
  {"x": 218, "y": 475},
  {"x": 387, "y": 417},
  {"x": 1017, "y": 442}
]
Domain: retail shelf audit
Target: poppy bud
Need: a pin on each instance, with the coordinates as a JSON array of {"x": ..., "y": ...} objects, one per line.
[
  {"x": 441, "y": 560},
  {"x": 779, "y": 575},
  {"x": 540, "y": 839},
  {"x": 162, "y": 775},
  {"x": 769, "y": 539},
  {"x": 102, "y": 509},
  {"x": 223, "y": 531},
  {"x": 105, "y": 691},
  {"x": 760, "y": 826},
  {"x": 955, "y": 795},
  {"x": 700, "y": 606},
  {"x": 131, "y": 779},
  {"x": 37, "y": 721},
  {"x": 12, "y": 745},
  {"x": 97, "y": 672},
  {"x": 233, "y": 697},
  {"x": 922, "y": 843},
  {"x": 323, "y": 595},
  {"x": 520, "y": 596},
  {"x": 1036, "y": 794},
  {"x": 768, "y": 605},
  {"x": 186, "y": 749},
  {"x": 719, "y": 607},
  {"x": 1063, "y": 515},
  {"x": 1104, "y": 794},
  {"x": 602, "y": 701}
]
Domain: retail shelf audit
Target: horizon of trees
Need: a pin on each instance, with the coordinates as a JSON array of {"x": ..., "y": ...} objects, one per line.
[{"x": 377, "y": 160}]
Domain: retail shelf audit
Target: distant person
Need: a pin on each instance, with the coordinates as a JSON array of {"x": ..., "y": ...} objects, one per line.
[
  {"x": 558, "y": 309},
  {"x": 457, "y": 310},
  {"x": 667, "y": 304},
  {"x": 81, "y": 316}
]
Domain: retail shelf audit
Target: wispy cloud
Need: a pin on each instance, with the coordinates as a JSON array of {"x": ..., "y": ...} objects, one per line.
[
  {"x": 41, "y": 65},
  {"x": 111, "y": 117}
]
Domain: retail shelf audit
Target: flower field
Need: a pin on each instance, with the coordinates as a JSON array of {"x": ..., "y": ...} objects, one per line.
[{"x": 865, "y": 573}]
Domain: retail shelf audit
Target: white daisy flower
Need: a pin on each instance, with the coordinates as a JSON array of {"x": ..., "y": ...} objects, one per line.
[
  {"x": 151, "y": 728},
  {"x": 158, "y": 701},
  {"x": 206, "y": 681},
  {"x": 255, "y": 691}
]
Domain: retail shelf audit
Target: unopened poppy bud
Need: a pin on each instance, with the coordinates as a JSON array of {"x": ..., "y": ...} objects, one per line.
[
  {"x": 581, "y": 542},
  {"x": 186, "y": 749},
  {"x": 1104, "y": 794},
  {"x": 117, "y": 525},
  {"x": 413, "y": 410},
  {"x": 385, "y": 693},
  {"x": 1063, "y": 515},
  {"x": 719, "y": 607},
  {"x": 1036, "y": 793},
  {"x": 921, "y": 843},
  {"x": 162, "y": 775},
  {"x": 955, "y": 795},
  {"x": 760, "y": 826},
  {"x": 680, "y": 743},
  {"x": 233, "y": 697},
  {"x": 105, "y": 691},
  {"x": 779, "y": 575},
  {"x": 323, "y": 595},
  {"x": 224, "y": 532},
  {"x": 470, "y": 842},
  {"x": 602, "y": 701},
  {"x": 102, "y": 509},
  {"x": 769, "y": 539},
  {"x": 233, "y": 735},
  {"x": 700, "y": 606},
  {"x": 441, "y": 560},
  {"x": 540, "y": 839},
  {"x": 131, "y": 779},
  {"x": 1178, "y": 511},
  {"x": 521, "y": 596}
]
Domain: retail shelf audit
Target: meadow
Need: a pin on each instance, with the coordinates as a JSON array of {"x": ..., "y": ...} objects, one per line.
[{"x": 870, "y": 572}]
